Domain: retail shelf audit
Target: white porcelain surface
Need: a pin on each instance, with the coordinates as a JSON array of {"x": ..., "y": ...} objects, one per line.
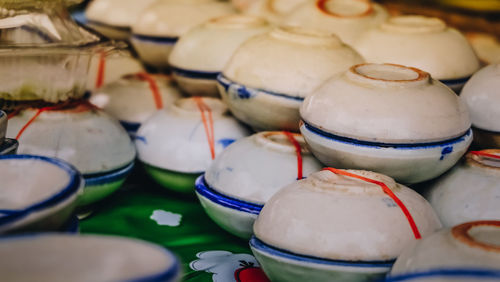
[
  {"x": 471, "y": 246},
  {"x": 468, "y": 192},
  {"x": 175, "y": 138},
  {"x": 208, "y": 47},
  {"x": 348, "y": 19},
  {"x": 3, "y": 126},
  {"x": 331, "y": 216},
  {"x": 273, "y": 10},
  {"x": 130, "y": 99},
  {"x": 115, "y": 66},
  {"x": 270, "y": 74},
  {"x": 486, "y": 46},
  {"x": 442, "y": 51},
  {"x": 254, "y": 168},
  {"x": 28, "y": 181},
  {"x": 482, "y": 98},
  {"x": 85, "y": 258},
  {"x": 242, "y": 5},
  {"x": 87, "y": 138}
]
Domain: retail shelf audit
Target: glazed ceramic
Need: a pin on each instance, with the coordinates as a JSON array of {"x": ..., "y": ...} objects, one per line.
[
  {"x": 348, "y": 19},
  {"x": 272, "y": 10},
  {"x": 467, "y": 252},
  {"x": 245, "y": 175},
  {"x": 442, "y": 51},
  {"x": 332, "y": 226},
  {"x": 174, "y": 144},
  {"x": 486, "y": 46},
  {"x": 38, "y": 193},
  {"x": 468, "y": 192},
  {"x": 378, "y": 117},
  {"x": 242, "y": 5},
  {"x": 104, "y": 70},
  {"x": 269, "y": 76},
  {"x": 85, "y": 258},
  {"x": 132, "y": 99},
  {"x": 481, "y": 96},
  {"x": 114, "y": 18},
  {"x": 87, "y": 138},
  {"x": 201, "y": 54},
  {"x": 158, "y": 28}
]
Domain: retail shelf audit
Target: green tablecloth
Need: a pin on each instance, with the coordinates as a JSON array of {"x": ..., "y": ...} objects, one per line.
[{"x": 144, "y": 210}]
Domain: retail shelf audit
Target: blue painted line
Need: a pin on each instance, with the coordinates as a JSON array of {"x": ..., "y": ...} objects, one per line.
[
  {"x": 244, "y": 92},
  {"x": 156, "y": 39},
  {"x": 403, "y": 146},
  {"x": 226, "y": 142},
  {"x": 108, "y": 177},
  {"x": 206, "y": 191},
  {"x": 446, "y": 151},
  {"x": 462, "y": 80},
  {"x": 472, "y": 273},
  {"x": 79, "y": 17},
  {"x": 194, "y": 73},
  {"x": 130, "y": 126},
  {"x": 263, "y": 247}
]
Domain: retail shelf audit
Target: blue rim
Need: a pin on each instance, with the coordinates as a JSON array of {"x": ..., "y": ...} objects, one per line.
[
  {"x": 195, "y": 74},
  {"x": 226, "y": 83},
  {"x": 204, "y": 190},
  {"x": 156, "y": 39},
  {"x": 79, "y": 17},
  {"x": 475, "y": 273},
  {"x": 9, "y": 146},
  {"x": 407, "y": 146},
  {"x": 71, "y": 189},
  {"x": 108, "y": 177},
  {"x": 263, "y": 247},
  {"x": 457, "y": 81}
]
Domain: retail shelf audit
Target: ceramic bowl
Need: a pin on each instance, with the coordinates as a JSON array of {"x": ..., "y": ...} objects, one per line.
[
  {"x": 104, "y": 70},
  {"x": 85, "y": 258},
  {"x": 242, "y": 5},
  {"x": 135, "y": 97},
  {"x": 481, "y": 96},
  {"x": 272, "y": 10},
  {"x": 87, "y": 138},
  {"x": 269, "y": 76},
  {"x": 486, "y": 46},
  {"x": 336, "y": 226},
  {"x": 201, "y": 54},
  {"x": 467, "y": 252},
  {"x": 114, "y": 18},
  {"x": 346, "y": 122},
  {"x": 38, "y": 193},
  {"x": 177, "y": 144},
  {"x": 245, "y": 175},
  {"x": 468, "y": 192},
  {"x": 346, "y": 18},
  {"x": 442, "y": 51},
  {"x": 158, "y": 28}
]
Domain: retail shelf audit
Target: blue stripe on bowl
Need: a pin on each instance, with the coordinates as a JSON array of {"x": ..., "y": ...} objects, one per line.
[
  {"x": 404, "y": 146},
  {"x": 108, "y": 177},
  {"x": 263, "y": 247},
  {"x": 455, "y": 81},
  {"x": 226, "y": 83},
  {"x": 194, "y": 73},
  {"x": 204, "y": 190},
  {"x": 79, "y": 17},
  {"x": 9, "y": 146},
  {"x": 8, "y": 216},
  {"x": 156, "y": 39},
  {"x": 469, "y": 273}
]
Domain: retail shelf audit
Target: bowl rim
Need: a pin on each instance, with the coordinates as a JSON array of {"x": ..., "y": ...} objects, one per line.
[
  {"x": 71, "y": 189},
  {"x": 108, "y": 177},
  {"x": 445, "y": 272}
]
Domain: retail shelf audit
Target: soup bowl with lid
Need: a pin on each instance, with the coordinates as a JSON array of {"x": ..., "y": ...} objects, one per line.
[
  {"x": 245, "y": 175},
  {"x": 347, "y": 225},
  {"x": 269, "y": 75},
  {"x": 380, "y": 117},
  {"x": 178, "y": 143},
  {"x": 272, "y": 10}
]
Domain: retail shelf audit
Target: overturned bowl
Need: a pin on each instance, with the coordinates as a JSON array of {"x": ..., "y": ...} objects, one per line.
[
  {"x": 38, "y": 193},
  {"x": 246, "y": 174},
  {"x": 346, "y": 121},
  {"x": 350, "y": 225}
]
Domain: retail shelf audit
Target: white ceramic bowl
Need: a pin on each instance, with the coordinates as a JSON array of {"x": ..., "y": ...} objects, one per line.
[
  {"x": 467, "y": 252},
  {"x": 87, "y": 138},
  {"x": 114, "y": 18},
  {"x": 272, "y": 10},
  {"x": 486, "y": 46},
  {"x": 348, "y": 19},
  {"x": 201, "y": 54},
  {"x": 158, "y": 28},
  {"x": 55, "y": 257},
  {"x": 37, "y": 193},
  {"x": 468, "y": 192},
  {"x": 269, "y": 76},
  {"x": 134, "y": 98},
  {"x": 337, "y": 226},
  {"x": 442, "y": 51},
  {"x": 245, "y": 175},
  {"x": 176, "y": 141},
  {"x": 378, "y": 117},
  {"x": 482, "y": 98}
]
